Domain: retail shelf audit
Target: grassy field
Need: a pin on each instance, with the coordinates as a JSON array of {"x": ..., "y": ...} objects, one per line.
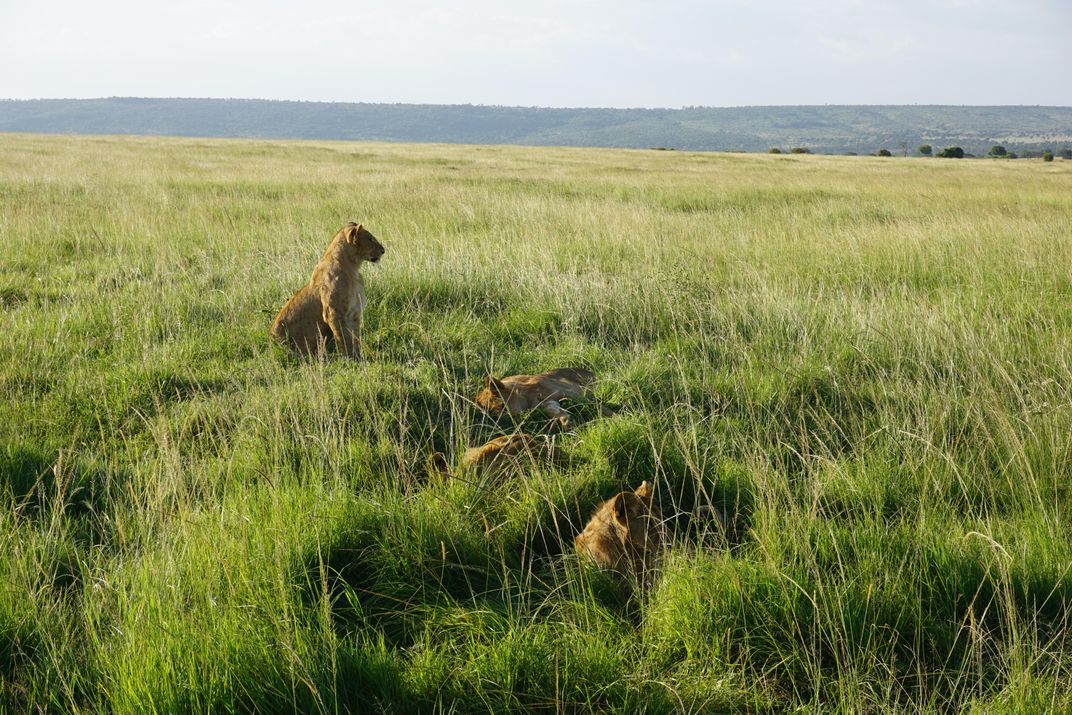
[{"x": 865, "y": 362}]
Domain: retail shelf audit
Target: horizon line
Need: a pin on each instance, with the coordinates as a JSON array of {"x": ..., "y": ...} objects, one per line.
[{"x": 523, "y": 106}]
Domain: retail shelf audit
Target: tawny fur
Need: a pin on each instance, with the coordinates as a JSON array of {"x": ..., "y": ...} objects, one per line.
[
  {"x": 494, "y": 459},
  {"x": 328, "y": 309},
  {"x": 624, "y": 534},
  {"x": 520, "y": 393}
]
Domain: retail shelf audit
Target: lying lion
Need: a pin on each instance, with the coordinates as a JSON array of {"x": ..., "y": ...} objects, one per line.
[
  {"x": 327, "y": 310},
  {"x": 624, "y": 534},
  {"x": 491, "y": 461},
  {"x": 520, "y": 393}
]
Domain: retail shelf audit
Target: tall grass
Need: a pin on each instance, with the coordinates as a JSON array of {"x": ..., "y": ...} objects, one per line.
[{"x": 865, "y": 363}]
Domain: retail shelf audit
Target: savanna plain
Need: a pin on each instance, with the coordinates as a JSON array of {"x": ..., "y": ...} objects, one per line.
[{"x": 864, "y": 363}]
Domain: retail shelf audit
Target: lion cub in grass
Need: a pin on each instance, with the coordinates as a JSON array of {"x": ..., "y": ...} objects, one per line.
[
  {"x": 521, "y": 393},
  {"x": 624, "y": 534},
  {"x": 328, "y": 308},
  {"x": 493, "y": 460}
]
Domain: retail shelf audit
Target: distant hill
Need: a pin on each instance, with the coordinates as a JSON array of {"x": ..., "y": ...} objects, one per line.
[{"x": 823, "y": 129}]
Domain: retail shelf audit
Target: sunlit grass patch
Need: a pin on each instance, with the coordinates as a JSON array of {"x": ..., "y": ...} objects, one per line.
[{"x": 846, "y": 380}]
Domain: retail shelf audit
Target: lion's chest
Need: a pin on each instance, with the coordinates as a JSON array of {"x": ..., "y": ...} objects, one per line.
[
  {"x": 349, "y": 292},
  {"x": 357, "y": 304}
]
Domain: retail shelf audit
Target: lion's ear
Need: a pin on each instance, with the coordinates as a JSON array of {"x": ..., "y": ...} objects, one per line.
[
  {"x": 644, "y": 490},
  {"x": 621, "y": 510},
  {"x": 358, "y": 228},
  {"x": 496, "y": 385}
]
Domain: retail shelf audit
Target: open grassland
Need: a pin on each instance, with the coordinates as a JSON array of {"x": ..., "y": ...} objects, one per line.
[{"x": 865, "y": 362}]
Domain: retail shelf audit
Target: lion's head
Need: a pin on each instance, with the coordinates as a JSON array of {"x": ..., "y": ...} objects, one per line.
[
  {"x": 492, "y": 397},
  {"x": 365, "y": 246},
  {"x": 625, "y": 533}
]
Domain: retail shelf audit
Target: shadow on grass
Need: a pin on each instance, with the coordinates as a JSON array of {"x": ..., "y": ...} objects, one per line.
[
  {"x": 40, "y": 482},
  {"x": 383, "y": 574},
  {"x": 46, "y": 487},
  {"x": 19, "y": 644}
]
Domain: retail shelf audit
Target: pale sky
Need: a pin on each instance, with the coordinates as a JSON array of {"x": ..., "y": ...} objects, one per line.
[{"x": 575, "y": 53}]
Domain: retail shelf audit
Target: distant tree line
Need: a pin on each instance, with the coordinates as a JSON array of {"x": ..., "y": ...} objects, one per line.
[{"x": 997, "y": 151}]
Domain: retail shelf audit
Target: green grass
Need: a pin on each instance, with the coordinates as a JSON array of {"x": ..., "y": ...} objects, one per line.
[{"x": 865, "y": 362}]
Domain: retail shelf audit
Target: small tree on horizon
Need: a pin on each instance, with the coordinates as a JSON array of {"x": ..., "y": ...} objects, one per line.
[
  {"x": 998, "y": 150},
  {"x": 1047, "y": 156},
  {"x": 1066, "y": 153},
  {"x": 774, "y": 150},
  {"x": 800, "y": 150},
  {"x": 952, "y": 152},
  {"x": 925, "y": 149},
  {"x": 884, "y": 152}
]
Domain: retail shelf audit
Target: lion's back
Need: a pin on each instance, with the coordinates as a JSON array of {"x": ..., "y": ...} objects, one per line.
[
  {"x": 498, "y": 454},
  {"x": 576, "y": 375},
  {"x": 300, "y": 322}
]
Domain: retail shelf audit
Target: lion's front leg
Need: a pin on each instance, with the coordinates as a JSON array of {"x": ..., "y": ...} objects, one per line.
[
  {"x": 352, "y": 327},
  {"x": 555, "y": 411},
  {"x": 344, "y": 331},
  {"x": 341, "y": 319}
]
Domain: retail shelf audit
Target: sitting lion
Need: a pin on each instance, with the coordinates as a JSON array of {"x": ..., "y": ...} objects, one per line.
[
  {"x": 521, "y": 393},
  {"x": 624, "y": 534},
  {"x": 328, "y": 308}
]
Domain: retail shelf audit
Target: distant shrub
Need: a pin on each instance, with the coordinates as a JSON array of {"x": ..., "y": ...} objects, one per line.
[
  {"x": 1066, "y": 153},
  {"x": 800, "y": 150},
  {"x": 998, "y": 150},
  {"x": 925, "y": 149},
  {"x": 884, "y": 152},
  {"x": 774, "y": 150},
  {"x": 1011, "y": 155},
  {"x": 1047, "y": 156},
  {"x": 952, "y": 152}
]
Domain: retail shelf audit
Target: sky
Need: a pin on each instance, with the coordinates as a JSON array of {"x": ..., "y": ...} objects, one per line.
[{"x": 561, "y": 53}]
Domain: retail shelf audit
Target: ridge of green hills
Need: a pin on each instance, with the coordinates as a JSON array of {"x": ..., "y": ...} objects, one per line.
[{"x": 830, "y": 129}]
